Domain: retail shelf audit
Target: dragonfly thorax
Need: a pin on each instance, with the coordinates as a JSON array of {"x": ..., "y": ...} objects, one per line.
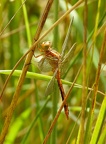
[{"x": 51, "y": 58}]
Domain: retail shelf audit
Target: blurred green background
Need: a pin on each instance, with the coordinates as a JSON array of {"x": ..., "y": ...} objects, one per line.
[{"x": 17, "y": 33}]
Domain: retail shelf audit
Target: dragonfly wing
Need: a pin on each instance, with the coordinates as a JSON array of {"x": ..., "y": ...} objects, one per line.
[
  {"x": 66, "y": 39},
  {"x": 69, "y": 54},
  {"x": 44, "y": 65},
  {"x": 66, "y": 58},
  {"x": 50, "y": 85}
]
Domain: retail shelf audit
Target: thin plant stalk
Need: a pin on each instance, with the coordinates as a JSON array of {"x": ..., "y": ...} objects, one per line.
[
  {"x": 60, "y": 109},
  {"x": 37, "y": 41},
  {"x": 12, "y": 18},
  {"x": 56, "y": 92},
  {"x": 80, "y": 139},
  {"x": 34, "y": 121},
  {"x": 27, "y": 24},
  {"x": 95, "y": 85},
  {"x": 22, "y": 77}
]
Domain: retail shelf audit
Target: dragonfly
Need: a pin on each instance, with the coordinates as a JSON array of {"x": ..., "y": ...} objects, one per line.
[{"x": 54, "y": 61}]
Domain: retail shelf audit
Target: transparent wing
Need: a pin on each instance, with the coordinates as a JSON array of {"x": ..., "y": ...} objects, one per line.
[
  {"x": 44, "y": 65},
  {"x": 64, "y": 46},
  {"x": 69, "y": 55},
  {"x": 66, "y": 59},
  {"x": 50, "y": 85}
]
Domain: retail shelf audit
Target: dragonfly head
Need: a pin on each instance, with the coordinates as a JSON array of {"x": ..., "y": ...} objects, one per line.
[{"x": 46, "y": 45}]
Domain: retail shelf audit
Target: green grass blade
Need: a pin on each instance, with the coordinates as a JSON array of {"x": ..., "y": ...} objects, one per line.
[
  {"x": 99, "y": 123},
  {"x": 27, "y": 24},
  {"x": 16, "y": 126},
  {"x": 33, "y": 122}
]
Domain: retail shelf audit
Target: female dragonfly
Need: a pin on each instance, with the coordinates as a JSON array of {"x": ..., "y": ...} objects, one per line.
[{"x": 54, "y": 61}]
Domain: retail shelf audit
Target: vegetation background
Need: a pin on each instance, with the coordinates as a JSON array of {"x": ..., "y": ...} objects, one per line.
[{"x": 34, "y": 112}]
